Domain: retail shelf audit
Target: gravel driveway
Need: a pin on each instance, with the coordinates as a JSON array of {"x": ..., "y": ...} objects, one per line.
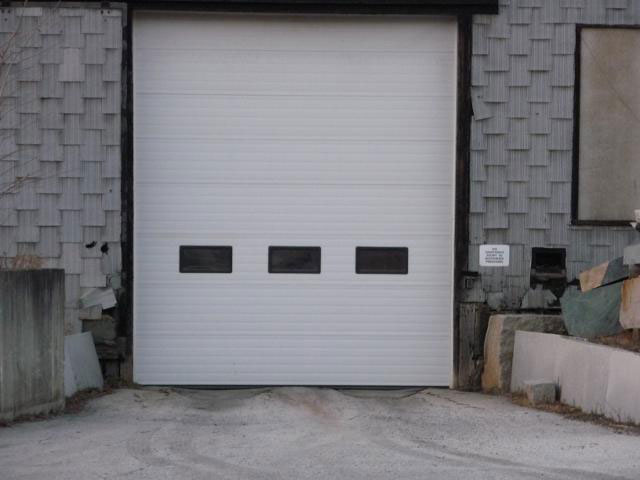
[{"x": 310, "y": 433}]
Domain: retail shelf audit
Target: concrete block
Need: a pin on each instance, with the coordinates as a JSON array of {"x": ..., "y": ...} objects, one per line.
[
  {"x": 623, "y": 388},
  {"x": 70, "y": 387},
  {"x": 499, "y": 343},
  {"x": 31, "y": 342},
  {"x": 540, "y": 392},
  {"x": 80, "y": 354},
  {"x": 582, "y": 369},
  {"x": 595, "y": 378},
  {"x": 534, "y": 356}
]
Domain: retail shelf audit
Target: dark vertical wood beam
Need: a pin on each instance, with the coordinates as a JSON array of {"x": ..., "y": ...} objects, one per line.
[
  {"x": 125, "y": 302},
  {"x": 463, "y": 155}
]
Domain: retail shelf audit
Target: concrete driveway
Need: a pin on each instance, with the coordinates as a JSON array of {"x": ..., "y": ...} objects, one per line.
[{"x": 308, "y": 433}]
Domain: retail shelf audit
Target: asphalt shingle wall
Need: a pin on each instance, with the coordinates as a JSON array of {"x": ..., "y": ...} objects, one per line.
[
  {"x": 60, "y": 157},
  {"x": 523, "y": 78},
  {"x": 60, "y": 153}
]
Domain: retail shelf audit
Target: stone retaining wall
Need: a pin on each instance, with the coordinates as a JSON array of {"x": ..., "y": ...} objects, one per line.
[{"x": 31, "y": 342}]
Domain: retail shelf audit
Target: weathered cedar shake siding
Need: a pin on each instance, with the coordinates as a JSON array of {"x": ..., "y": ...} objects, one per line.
[
  {"x": 60, "y": 142},
  {"x": 523, "y": 77}
]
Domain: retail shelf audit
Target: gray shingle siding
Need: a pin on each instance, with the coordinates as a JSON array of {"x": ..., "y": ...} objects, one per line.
[
  {"x": 60, "y": 130},
  {"x": 522, "y": 133},
  {"x": 60, "y": 141}
]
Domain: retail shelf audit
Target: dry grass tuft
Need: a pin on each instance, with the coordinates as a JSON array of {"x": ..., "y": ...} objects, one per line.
[{"x": 574, "y": 413}]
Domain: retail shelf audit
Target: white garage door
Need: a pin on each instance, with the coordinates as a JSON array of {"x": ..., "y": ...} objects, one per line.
[{"x": 324, "y": 132}]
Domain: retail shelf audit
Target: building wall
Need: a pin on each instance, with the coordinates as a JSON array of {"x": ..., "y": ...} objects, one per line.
[
  {"x": 523, "y": 79},
  {"x": 60, "y": 154},
  {"x": 60, "y": 94}
]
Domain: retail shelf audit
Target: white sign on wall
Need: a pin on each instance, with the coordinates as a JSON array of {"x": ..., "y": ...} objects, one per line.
[{"x": 494, "y": 255}]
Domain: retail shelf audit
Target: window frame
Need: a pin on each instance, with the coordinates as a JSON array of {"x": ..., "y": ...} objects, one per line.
[
  {"x": 361, "y": 271},
  {"x": 227, "y": 248},
  {"x": 314, "y": 249},
  {"x": 575, "y": 167}
]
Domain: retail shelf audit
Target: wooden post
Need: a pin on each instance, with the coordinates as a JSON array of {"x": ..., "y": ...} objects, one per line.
[{"x": 474, "y": 318}]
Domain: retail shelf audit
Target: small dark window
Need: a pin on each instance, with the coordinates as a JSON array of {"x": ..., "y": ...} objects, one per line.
[
  {"x": 382, "y": 260},
  {"x": 204, "y": 259},
  {"x": 294, "y": 259},
  {"x": 549, "y": 269}
]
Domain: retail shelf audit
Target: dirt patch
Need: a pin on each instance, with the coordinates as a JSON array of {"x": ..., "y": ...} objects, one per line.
[
  {"x": 78, "y": 401},
  {"x": 573, "y": 413},
  {"x": 73, "y": 405},
  {"x": 27, "y": 418}
]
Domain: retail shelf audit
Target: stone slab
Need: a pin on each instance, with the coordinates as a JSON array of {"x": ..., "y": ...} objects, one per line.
[
  {"x": 604, "y": 274},
  {"x": 623, "y": 388},
  {"x": 582, "y": 369},
  {"x": 534, "y": 357},
  {"x": 540, "y": 392},
  {"x": 499, "y": 342},
  {"x": 592, "y": 314},
  {"x": 70, "y": 387},
  {"x": 595, "y": 378},
  {"x": 105, "y": 298},
  {"x": 80, "y": 353},
  {"x": 630, "y": 304}
]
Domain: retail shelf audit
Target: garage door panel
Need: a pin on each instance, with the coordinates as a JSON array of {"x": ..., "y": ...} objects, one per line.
[
  {"x": 380, "y": 78},
  {"x": 335, "y": 132},
  {"x": 297, "y": 325},
  {"x": 338, "y": 265},
  {"x": 376, "y": 34},
  {"x": 282, "y": 225},
  {"x": 296, "y": 162},
  {"x": 274, "y": 108},
  {"x": 348, "y": 212},
  {"x": 205, "y": 147},
  {"x": 330, "y": 125},
  {"x": 255, "y": 270},
  {"x": 345, "y": 170},
  {"x": 308, "y": 299},
  {"x": 356, "y": 128}
]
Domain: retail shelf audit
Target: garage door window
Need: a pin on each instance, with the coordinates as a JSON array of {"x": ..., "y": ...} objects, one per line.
[
  {"x": 294, "y": 259},
  {"x": 382, "y": 260},
  {"x": 206, "y": 259}
]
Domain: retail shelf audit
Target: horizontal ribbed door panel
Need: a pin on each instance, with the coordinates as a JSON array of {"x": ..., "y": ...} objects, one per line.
[{"x": 322, "y": 131}]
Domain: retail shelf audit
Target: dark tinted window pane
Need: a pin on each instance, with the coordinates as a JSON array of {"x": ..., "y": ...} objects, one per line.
[
  {"x": 294, "y": 259},
  {"x": 384, "y": 260},
  {"x": 203, "y": 259}
]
